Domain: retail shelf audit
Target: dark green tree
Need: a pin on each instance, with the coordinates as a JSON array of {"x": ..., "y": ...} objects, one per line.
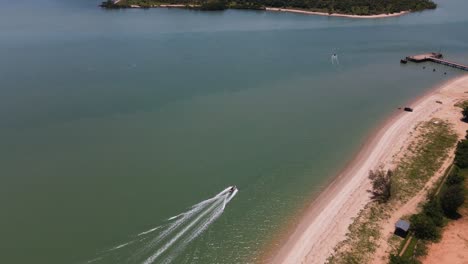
[
  {"x": 461, "y": 154},
  {"x": 455, "y": 178},
  {"x": 357, "y": 7},
  {"x": 433, "y": 210},
  {"x": 424, "y": 228},
  {"x": 394, "y": 259},
  {"x": 213, "y": 5},
  {"x": 452, "y": 198}
]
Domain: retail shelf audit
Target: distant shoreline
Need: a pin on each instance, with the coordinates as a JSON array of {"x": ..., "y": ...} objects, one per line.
[
  {"x": 300, "y": 11},
  {"x": 274, "y": 9}
]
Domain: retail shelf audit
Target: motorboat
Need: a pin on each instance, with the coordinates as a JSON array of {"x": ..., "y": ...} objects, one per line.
[{"x": 232, "y": 189}]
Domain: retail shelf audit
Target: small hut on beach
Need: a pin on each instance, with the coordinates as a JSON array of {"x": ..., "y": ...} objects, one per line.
[{"x": 402, "y": 228}]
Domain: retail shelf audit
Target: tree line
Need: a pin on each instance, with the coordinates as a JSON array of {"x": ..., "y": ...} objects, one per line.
[{"x": 355, "y": 7}]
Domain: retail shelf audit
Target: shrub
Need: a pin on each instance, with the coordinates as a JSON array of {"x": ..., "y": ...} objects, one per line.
[
  {"x": 381, "y": 185},
  {"x": 394, "y": 259},
  {"x": 434, "y": 211},
  {"x": 455, "y": 177},
  {"x": 461, "y": 154},
  {"x": 420, "y": 249},
  {"x": 424, "y": 228},
  {"x": 465, "y": 113},
  {"x": 452, "y": 199}
]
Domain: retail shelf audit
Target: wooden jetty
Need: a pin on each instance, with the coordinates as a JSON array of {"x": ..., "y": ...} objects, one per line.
[
  {"x": 451, "y": 64},
  {"x": 436, "y": 58}
]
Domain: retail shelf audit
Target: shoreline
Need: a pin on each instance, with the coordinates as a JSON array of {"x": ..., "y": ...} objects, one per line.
[
  {"x": 275, "y": 9},
  {"x": 324, "y": 221},
  {"x": 305, "y": 12}
]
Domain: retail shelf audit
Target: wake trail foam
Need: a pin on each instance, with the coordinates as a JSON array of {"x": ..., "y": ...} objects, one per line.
[
  {"x": 165, "y": 242},
  {"x": 152, "y": 258},
  {"x": 217, "y": 213},
  {"x": 174, "y": 217},
  {"x": 121, "y": 246},
  {"x": 204, "y": 225},
  {"x": 149, "y": 231},
  {"x": 212, "y": 213},
  {"x": 184, "y": 216}
]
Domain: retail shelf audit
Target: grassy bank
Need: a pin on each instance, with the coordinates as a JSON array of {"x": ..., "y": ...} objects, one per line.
[{"x": 421, "y": 160}]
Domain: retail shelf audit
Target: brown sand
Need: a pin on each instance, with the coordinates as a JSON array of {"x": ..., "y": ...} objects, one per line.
[{"x": 453, "y": 248}]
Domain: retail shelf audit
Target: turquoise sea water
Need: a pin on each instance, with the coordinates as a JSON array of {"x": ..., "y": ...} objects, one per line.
[{"x": 111, "y": 122}]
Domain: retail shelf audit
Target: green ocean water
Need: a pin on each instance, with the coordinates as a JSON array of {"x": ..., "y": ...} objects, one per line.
[{"x": 112, "y": 122}]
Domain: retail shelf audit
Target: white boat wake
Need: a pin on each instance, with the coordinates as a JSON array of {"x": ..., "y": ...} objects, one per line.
[{"x": 162, "y": 244}]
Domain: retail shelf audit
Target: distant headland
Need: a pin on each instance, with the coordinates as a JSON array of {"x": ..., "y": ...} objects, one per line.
[{"x": 347, "y": 8}]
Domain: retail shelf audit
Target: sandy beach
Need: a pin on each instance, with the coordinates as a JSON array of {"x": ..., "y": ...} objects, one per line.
[
  {"x": 325, "y": 222},
  {"x": 305, "y": 12}
]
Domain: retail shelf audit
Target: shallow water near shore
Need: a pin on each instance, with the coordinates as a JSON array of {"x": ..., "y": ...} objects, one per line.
[{"x": 113, "y": 122}]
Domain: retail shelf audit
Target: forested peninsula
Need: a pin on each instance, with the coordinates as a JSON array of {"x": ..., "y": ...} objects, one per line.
[{"x": 348, "y": 7}]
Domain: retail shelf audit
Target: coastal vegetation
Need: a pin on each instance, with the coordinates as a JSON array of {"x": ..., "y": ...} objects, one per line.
[
  {"x": 465, "y": 113},
  {"x": 421, "y": 160},
  {"x": 441, "y": 206},
  {"x": 462, "y": 104},
  {"x": 381, "y": 185},
  {"x": 352, "y": 7}
]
